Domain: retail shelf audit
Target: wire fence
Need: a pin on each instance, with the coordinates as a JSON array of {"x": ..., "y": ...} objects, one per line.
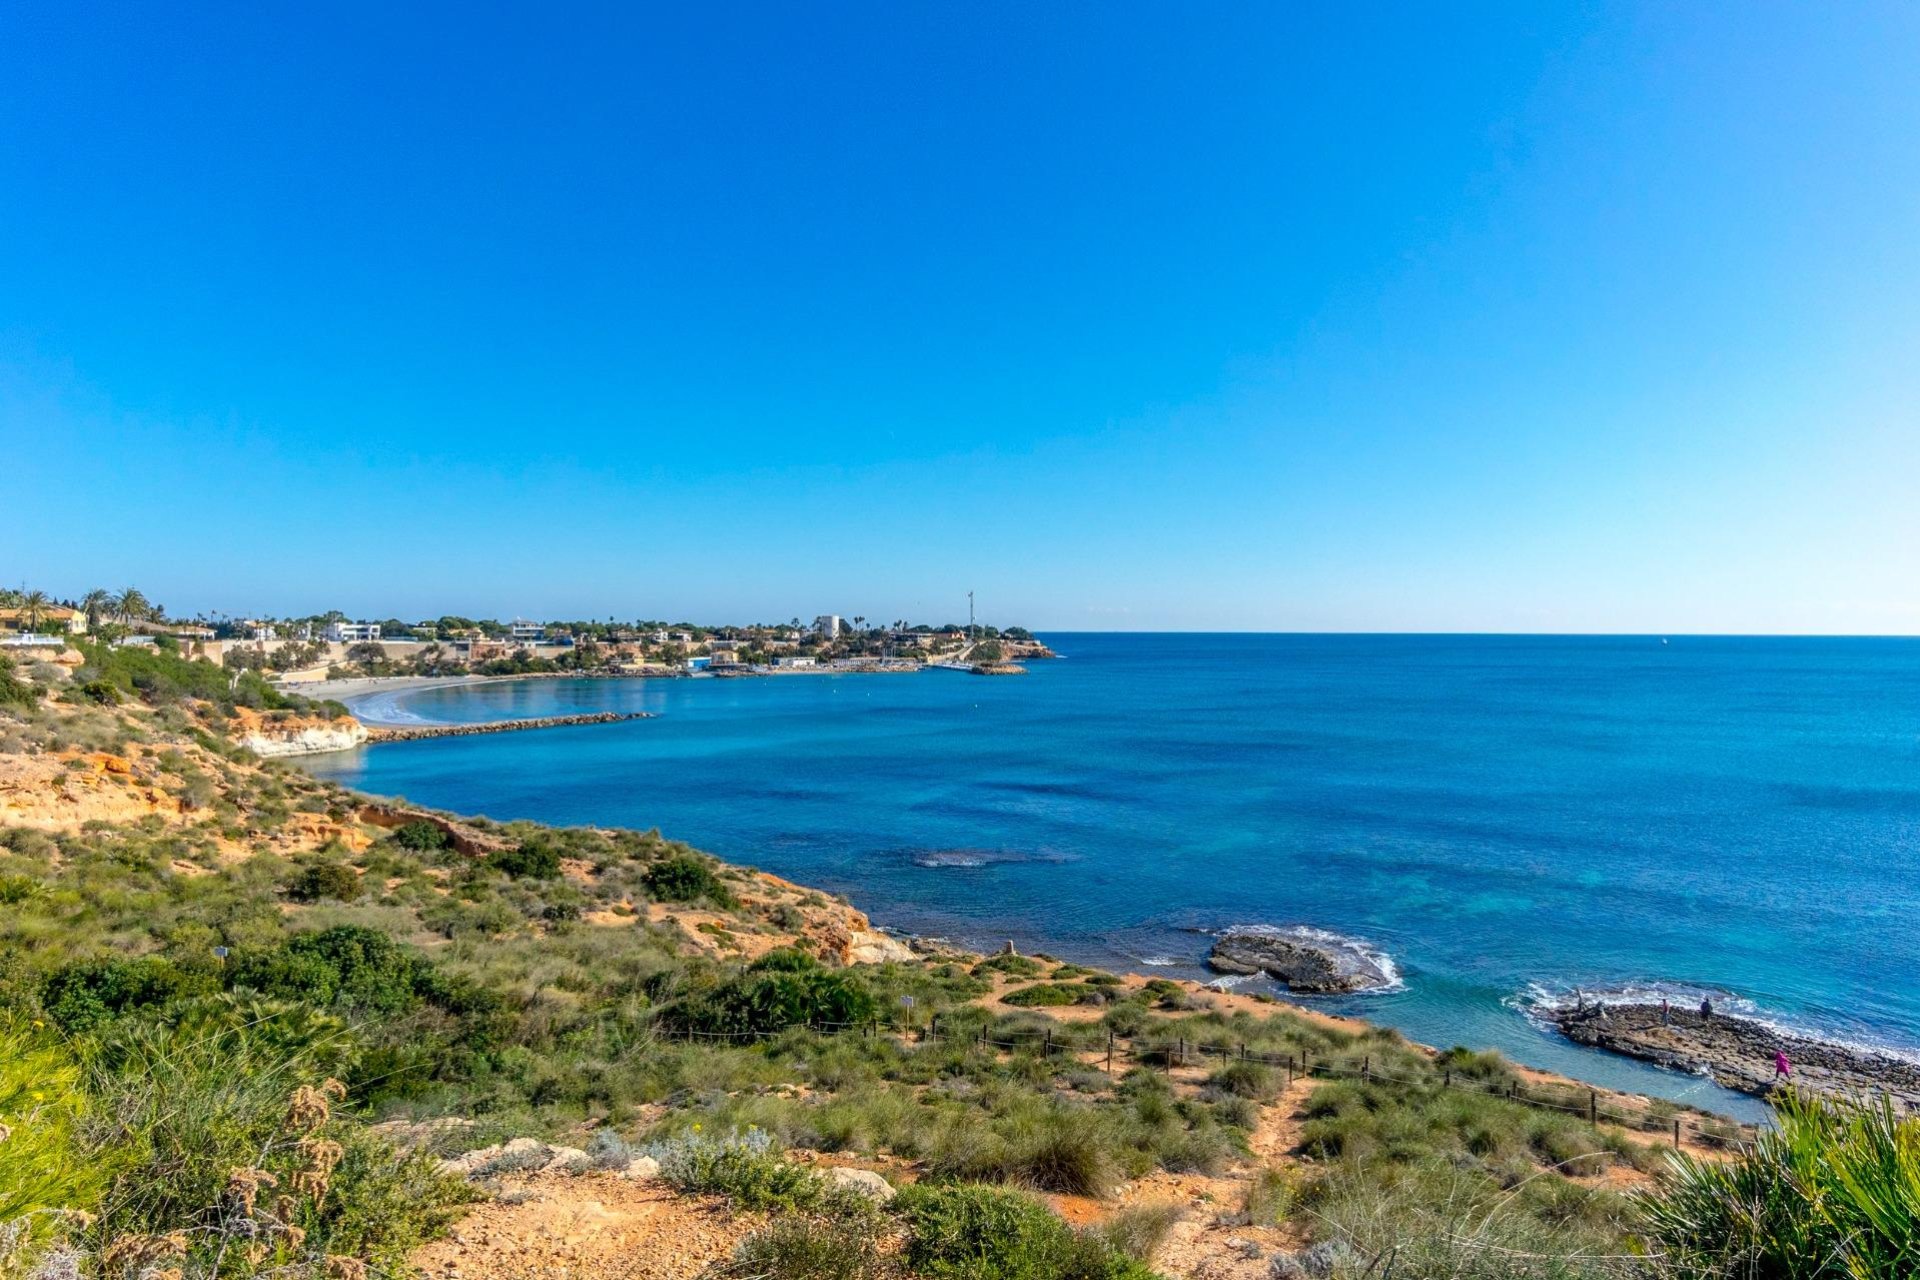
[{"x": 1171, "y": 1054}]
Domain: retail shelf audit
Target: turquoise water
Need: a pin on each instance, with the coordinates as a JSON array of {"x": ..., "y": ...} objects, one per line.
[{"x": 1506, "y": 818}]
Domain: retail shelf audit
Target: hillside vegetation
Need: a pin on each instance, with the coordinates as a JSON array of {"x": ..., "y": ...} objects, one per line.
[{"x": 253, "y": 1025}]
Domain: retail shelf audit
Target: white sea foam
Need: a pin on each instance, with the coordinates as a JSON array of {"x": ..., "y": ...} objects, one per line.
[
  {"x": 949, "y": 858},
  {"x": 385, "y": 709}
]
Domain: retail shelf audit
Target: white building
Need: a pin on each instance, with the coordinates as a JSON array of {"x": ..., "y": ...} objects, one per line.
[
  {"x": 352, "y": 632},
  {"x": 524, "y": 632},
  {"x": 828, "y": 625}
]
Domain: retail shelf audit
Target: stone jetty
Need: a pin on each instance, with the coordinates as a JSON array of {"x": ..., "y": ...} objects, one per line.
[
  {"x": 1738, "y": 1052},
  {"x": 407, "y": 733}
]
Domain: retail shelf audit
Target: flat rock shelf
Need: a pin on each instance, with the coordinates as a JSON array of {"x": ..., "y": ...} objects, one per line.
[{"x": 1738, "y": 1052}]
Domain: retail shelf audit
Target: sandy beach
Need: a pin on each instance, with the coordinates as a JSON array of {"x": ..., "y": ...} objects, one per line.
[{"x": 369, "y": 698}]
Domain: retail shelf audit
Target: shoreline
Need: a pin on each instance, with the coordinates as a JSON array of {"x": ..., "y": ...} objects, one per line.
[
  {"x": 1694, "y": 1064},
  {"x": 1736, "y": 1052}
]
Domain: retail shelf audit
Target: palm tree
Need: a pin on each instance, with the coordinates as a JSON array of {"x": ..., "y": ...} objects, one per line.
[
  {"x": 131, "y": 605},
  {"x": 96, "y": 603},
  {"x": 33, "y": 605}
]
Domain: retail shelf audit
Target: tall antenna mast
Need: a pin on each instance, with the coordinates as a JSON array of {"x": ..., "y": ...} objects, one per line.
[{"x": 969, "y": 617}]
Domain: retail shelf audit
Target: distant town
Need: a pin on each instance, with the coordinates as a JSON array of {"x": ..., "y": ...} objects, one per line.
[{"x": 333, "y": 646}]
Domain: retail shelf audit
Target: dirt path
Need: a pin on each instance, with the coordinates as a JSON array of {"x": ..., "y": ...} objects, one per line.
[{"x": 592, "y": 1227}]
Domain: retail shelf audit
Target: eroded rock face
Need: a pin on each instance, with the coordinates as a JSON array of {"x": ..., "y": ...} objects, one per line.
[
  {"x": 302, "y": 737},
  {"x": 1305, "y": 960}
]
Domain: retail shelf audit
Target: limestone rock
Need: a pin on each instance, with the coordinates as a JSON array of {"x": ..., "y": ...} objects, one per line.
[
  {"x": 1307, "y": 960},
  {"x": 641, "y": 1169},
  {"x": 864, "y": 1181}
]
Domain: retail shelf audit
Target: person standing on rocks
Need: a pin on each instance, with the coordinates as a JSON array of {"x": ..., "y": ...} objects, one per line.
[
  {"x": 1706, "y": 1008},
  {"x": 1782, "y": 1069}
]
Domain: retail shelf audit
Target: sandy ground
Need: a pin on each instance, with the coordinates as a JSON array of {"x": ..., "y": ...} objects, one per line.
[{"x": 357, "y": 693}]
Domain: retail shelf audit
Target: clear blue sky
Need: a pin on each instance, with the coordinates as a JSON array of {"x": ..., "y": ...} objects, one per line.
[{"x": 1426, "y": 317}]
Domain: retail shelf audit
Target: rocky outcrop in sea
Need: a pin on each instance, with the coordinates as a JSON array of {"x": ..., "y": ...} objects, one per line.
[
  {"x": 1738, "y": 1052},
  {"x": 1311, "y": 961}
]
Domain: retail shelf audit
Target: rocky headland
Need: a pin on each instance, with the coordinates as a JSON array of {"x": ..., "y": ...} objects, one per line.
[
  {"x": 1738, "y": 1053},
  {"x": 1305, "y": 960}
]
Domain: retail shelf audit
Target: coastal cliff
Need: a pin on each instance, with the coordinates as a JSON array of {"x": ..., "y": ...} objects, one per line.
[{"x": 271, "y": 737}]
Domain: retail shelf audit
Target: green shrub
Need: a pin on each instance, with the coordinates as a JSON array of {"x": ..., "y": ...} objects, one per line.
[
  {"x": 1832, "y": 1190},
  {"x": 318, "y": 880},
  {"x": 783, "y": 989},
  {"x": 530, "y": 860},
  {"x": 184, "y": 1114},
  {"x": 81, "y": 996},
  {"x": 685, "y": 878},
  {"x": 346, "y": 965},
  {"x": 1055, "y": 1147},
  {"x": 421, "y": 836},
  {"x": 984, "y": 1233},
  {"x": 1246, "y": 1079},
  {"x": 1044, "y": 995},
  {"x": 15, "y": 692},
  {"x": 1429, "y": 1219},
  {"x": 102, "y": 692},
  {"x": 43, "y": 1165},
  {"x": 843, "y": 1245},
  {"x": 1012, "y": 964},
  {"x": 1270, "y": 1196},
  {"x": 746, "y": 1167}
]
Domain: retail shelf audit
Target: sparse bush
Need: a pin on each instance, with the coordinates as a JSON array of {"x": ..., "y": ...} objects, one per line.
[
  {"x": 1044, "y": 995},
  {"x": 318, "y": 880},
  {"x": 1245, "y": 1079},
  {"x": 842, "y": 1245},
  {"x": 746, "y": 1167},
  {"x": 1011, "y": 964}
]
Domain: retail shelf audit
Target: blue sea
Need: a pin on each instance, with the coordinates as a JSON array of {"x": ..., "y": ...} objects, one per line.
[{"x": 1505, "y": 818}]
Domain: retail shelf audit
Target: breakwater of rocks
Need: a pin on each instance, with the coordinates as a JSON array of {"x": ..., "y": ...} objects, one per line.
[
  {"x": 1738, "y": 1052},
  {"x": 407, "y": 733}
]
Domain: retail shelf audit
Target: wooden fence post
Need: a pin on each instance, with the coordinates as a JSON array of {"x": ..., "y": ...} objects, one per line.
[
  {"x": 1366, "y": 1068},
  {"x": 1676, "y": 1133},
  {"x": 1593, "y": 1106},
  {"x": 1109, "y": 1051}
]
